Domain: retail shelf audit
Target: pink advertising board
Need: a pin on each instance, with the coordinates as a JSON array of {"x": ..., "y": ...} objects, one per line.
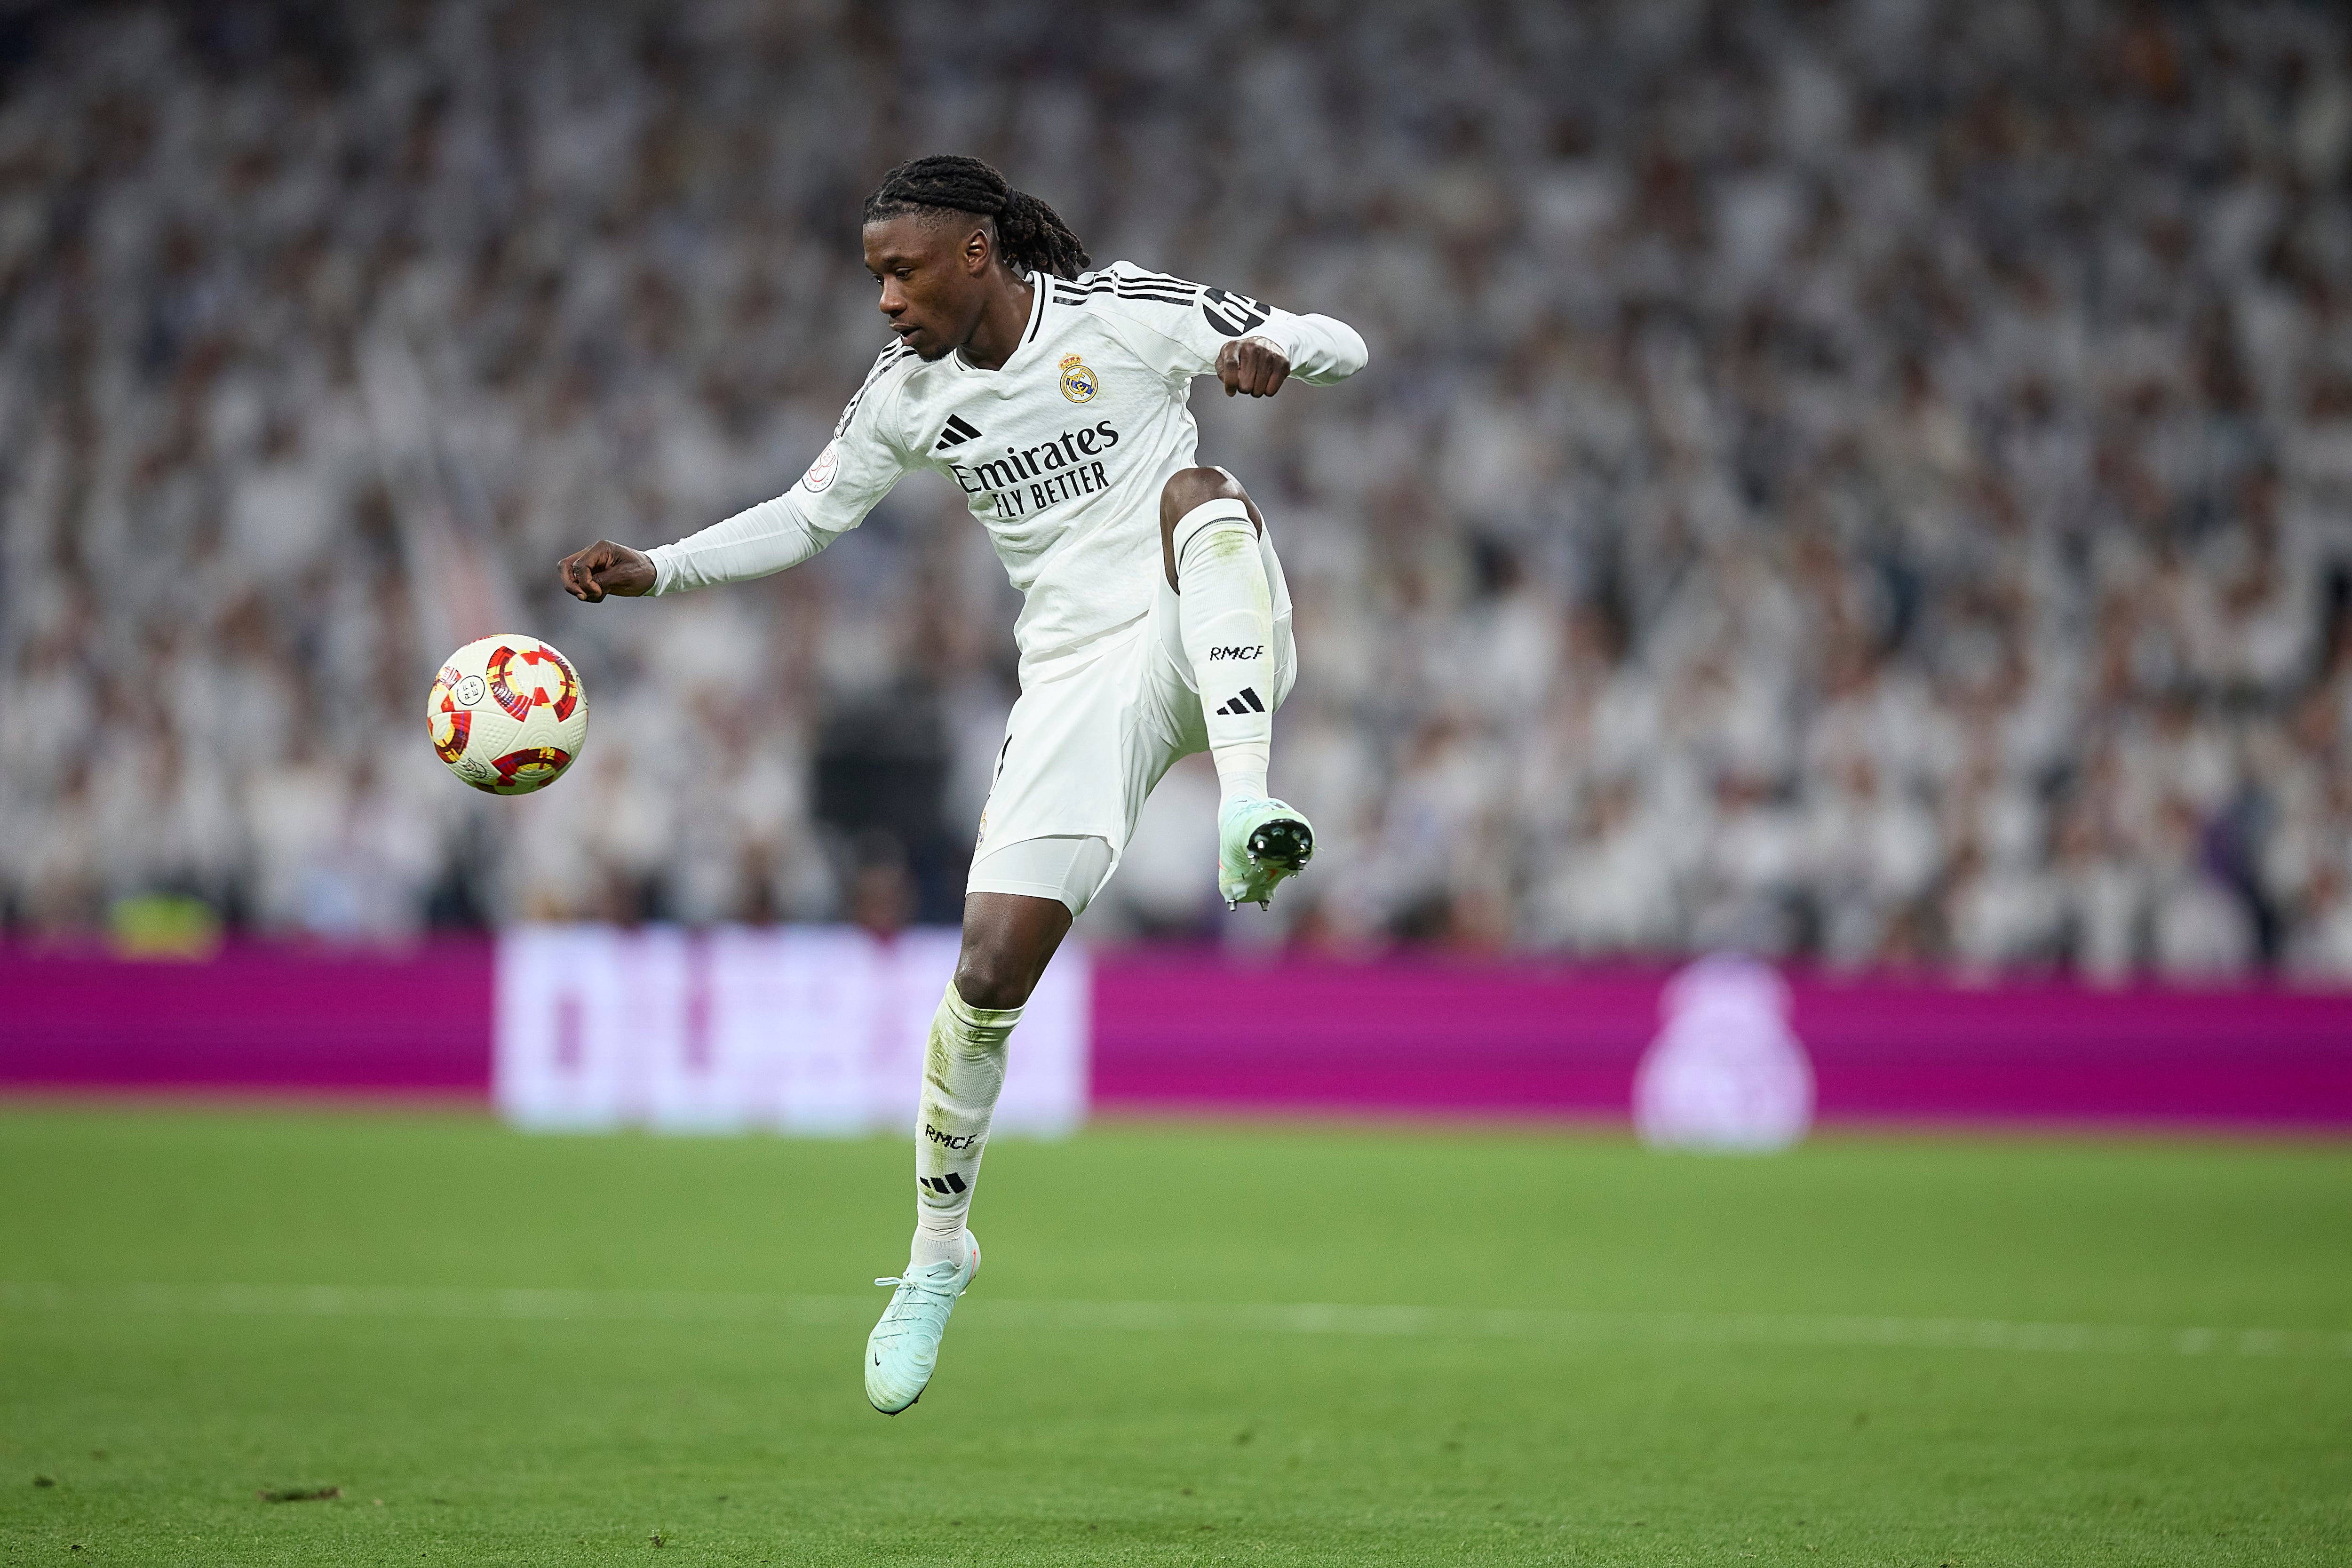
[
  {"x": 1172, "y": 1031},
  {"x": 1419, "y": 1035},
  {"x": 254, "y": 1017}
]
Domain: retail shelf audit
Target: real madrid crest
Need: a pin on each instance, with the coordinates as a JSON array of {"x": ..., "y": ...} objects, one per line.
[{"x": 1079, "y": 383}]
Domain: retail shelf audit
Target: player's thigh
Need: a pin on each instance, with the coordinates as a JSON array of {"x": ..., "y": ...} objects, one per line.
[
  {"x": 1167, "y": 701},
  {"x": 1068, "y": 768},
  {"x": 1069, "y": 868},
  {"x": 1285, "y": 645}
]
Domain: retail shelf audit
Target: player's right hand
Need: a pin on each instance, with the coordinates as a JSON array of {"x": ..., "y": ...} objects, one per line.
[
  {"x": 1252, "y": 365},
  {"x": 605, "y": 568}
]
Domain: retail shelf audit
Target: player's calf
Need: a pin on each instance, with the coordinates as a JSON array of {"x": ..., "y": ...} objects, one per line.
[
  {"x": 1007, "y": 942},
  {"x": 1225, "y": 617},
  {"x": 1208, "y": 532}
]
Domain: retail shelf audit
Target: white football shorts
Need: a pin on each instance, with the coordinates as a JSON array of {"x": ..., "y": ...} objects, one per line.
[{"x": 1087, "y": 740}]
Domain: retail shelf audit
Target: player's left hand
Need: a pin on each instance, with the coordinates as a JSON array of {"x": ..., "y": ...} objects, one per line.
[{"x": 1252, "y": 365}]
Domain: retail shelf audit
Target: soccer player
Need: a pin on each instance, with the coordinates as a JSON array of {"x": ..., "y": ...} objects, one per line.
[{"x": 1053, "y": 397}]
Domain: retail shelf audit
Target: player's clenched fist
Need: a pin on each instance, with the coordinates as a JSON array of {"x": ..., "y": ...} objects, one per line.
[
  {"x": 1252, "y": 365},
  {"x": 605, "y": 568}
]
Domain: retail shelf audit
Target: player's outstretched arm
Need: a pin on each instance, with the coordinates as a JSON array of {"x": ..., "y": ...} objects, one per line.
[
  {"x": 605, "y": 568},
  {"x": 865, "y": 456}
]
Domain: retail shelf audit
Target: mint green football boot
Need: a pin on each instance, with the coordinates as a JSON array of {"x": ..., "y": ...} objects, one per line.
[
  {"x": 904, "y": 1348},
  {"x": 1259, "y": 842}
]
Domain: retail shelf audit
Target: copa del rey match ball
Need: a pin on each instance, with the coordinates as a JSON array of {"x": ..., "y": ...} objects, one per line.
[{"x": 507, "y": 714}]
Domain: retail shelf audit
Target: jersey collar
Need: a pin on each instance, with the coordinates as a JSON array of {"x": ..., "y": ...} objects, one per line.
[{"x": 1038, "y": 290}]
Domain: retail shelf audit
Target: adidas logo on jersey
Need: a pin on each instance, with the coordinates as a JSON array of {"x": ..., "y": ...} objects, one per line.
[
  {"x": 1244, "y": 705},
  {"x": 958, "y": 432}
]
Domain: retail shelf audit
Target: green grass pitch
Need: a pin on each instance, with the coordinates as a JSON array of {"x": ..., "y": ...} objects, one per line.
[{"x": 553, "y": 1350}]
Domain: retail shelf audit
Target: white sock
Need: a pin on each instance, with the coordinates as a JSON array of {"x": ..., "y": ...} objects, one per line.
[
  {"x": 1225, "y": 611},
  {"x": 964, "y": 1072}
]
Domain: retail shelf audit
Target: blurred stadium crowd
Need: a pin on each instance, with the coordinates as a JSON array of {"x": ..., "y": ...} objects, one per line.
[{"x": 1870, "y": 481}]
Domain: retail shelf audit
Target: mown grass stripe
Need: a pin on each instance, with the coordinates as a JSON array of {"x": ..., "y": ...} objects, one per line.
[{"x": 1833, "y": 1332}]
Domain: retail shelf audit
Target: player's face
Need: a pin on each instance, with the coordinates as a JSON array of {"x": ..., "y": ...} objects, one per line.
[{"x": 931, "y": 277}]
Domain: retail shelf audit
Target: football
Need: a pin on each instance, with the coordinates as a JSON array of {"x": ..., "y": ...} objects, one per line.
[{"x": 507, "y": 714}]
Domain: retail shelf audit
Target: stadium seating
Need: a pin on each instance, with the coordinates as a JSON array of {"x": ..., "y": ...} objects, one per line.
[{"x": 1868, "y": 482}]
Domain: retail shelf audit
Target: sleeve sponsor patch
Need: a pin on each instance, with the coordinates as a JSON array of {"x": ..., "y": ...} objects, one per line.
[{"x": 1232, "y": 314}]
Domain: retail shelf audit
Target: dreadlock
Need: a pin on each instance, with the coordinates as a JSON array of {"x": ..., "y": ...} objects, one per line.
[{"x": 1030, "y": 233}]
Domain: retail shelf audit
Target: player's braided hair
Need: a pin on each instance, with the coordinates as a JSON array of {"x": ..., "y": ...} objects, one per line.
[{"x": 1030, "y": 233}]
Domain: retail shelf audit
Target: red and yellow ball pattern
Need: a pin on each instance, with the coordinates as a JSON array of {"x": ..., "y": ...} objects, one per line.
[{"x": 507, "y": 713}]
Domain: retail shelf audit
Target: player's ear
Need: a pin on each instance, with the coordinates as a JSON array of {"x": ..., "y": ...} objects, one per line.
[{"x": 977, "y": 249}]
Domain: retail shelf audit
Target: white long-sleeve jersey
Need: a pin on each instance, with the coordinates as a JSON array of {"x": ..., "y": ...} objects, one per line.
[{"x": 1062, "y": 451}]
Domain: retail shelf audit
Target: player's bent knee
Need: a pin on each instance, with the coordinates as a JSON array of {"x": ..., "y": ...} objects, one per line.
[
  {"x": 1186, "y": 490},
  {"x": 993, "y": 981},
  {"x": 1008, "y": 939},
  {"x": 1189, "y": 488}
]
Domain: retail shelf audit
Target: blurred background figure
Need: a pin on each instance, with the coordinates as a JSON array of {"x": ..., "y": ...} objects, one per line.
[{"x": 1866, "y": 482}]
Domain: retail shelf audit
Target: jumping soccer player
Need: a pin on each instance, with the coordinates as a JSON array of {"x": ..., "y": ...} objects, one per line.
[{"x": 1053, "y": 397}]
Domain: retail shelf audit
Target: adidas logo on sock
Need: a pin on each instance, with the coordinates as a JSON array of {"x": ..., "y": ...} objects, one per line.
[
  {"x": 947, "y": 1186},
  {"x": 956, "y": 433},
  {"x": 1244, "y": 705}
]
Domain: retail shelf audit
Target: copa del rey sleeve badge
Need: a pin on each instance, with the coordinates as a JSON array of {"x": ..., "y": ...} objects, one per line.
[
  {"x": 1079, "y": 383},
  {"x": 820, "y": 473}
]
